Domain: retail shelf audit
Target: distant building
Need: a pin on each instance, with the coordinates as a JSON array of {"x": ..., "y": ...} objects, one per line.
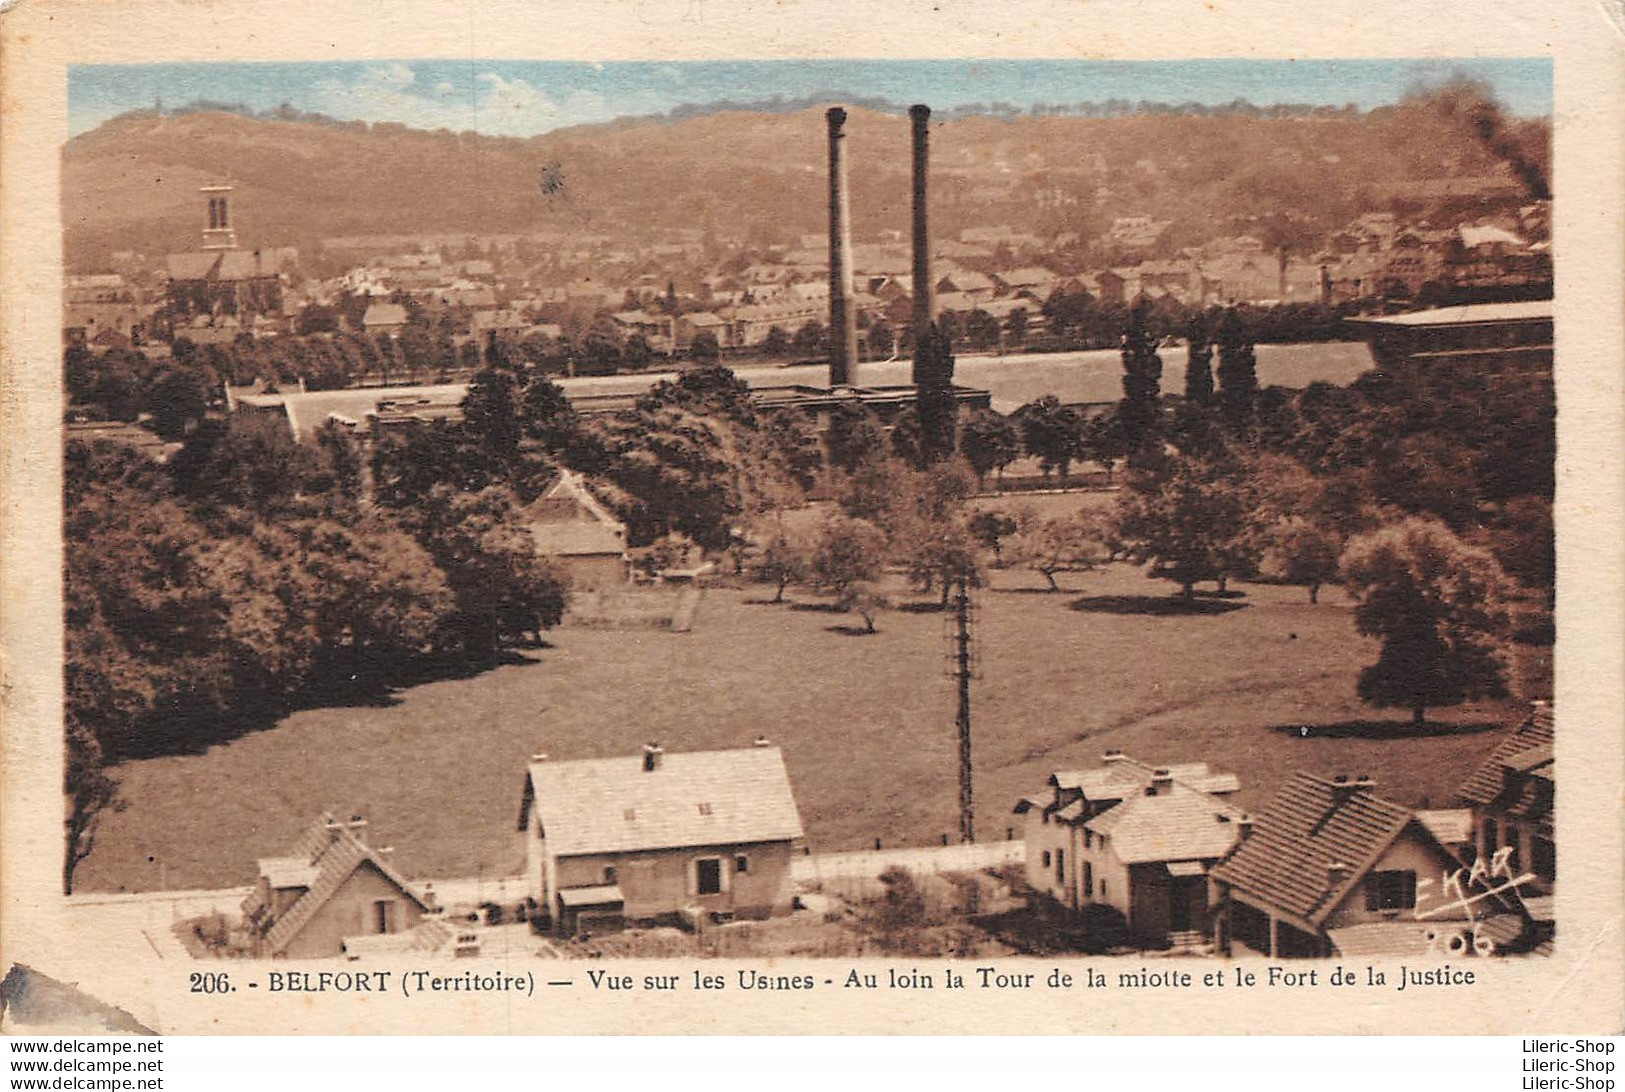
[
  {"x": 1329, "y": 866},
  {"x": 576, "y": 532},
  {"x": 219, "y": 279},
  {"x": 1487, "y": 334},
  {"x": 660, "y": 837},
  {"x": 384, "y": 318},
  {"x": 1135, "y": 837},
  {"x": 330, "y": 886}
]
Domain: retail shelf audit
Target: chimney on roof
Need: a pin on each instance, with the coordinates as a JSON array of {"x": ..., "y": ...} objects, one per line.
[
  {"x": 358, "y": 828},
  {"x": 652, "y": 754},
  {"x": 334, "y": 828},
  {"x": 1162, "y": 779},
  {"x": 1245, "y": 826},
  {"x": 1337, "y": 872},
  {"x": 1114, "y": 755},
  {"x": 761, "y": 741},
  {"x": 539, "y": 756},
  {"x": 843, "y": 320},
  {"x": 1345, "y": 788}
]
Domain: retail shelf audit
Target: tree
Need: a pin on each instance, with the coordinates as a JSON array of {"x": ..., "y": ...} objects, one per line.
[
  {"x": 636, "y": 354},
  {"x": 546, "y": 414},
  {"x": 89, "y": 792},
  {"x": 1198, "y": 363},
  {"x": 811, "y": 339},
  {"x": 777, "y": 342},
  {"x": 1437, "y": 604},
  {"x": 989, "y": 441},
  {"x": 849, "y": 558},
  {"x": 177, "y": 402},
  {"x": 792, "y": 440},
  {"x": 855, "y": 437},
  {"x": 981, "y": 329},
  {"x": 1302, "y": 551},
  {"x": 786, "y": 558},
  {"x": 1142, "y": 381},
  {"x": 1186, "y": 515},
  {"x": 990, "y": 528},
  {"x": 1050, "y": 433},
  {"x": 881, "y": 339},
  {"x": 1066, "y": 544},
  {"x": 704, "y": 347},
  {"x": 1015, "y": 325},
  {"x": 491, "y": 412},
  {"x": 1238, "y": 372}
]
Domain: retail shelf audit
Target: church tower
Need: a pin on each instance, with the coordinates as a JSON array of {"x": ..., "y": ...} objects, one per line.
[{"x": 218, "y": 234}]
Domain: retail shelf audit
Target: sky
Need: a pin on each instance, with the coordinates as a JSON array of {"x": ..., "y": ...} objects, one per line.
[{"x": 524, "y": 98}]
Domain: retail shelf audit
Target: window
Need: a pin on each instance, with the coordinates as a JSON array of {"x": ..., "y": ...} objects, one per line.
[
  {"x": 1544, "y": 852},
  {"x": 1088, "y": 838},
  {"x": 1102, "y": 888},
  {"x": 1088, "y": 880},
  {"x": 383, "y": 916},
  {"x": 609, "y": 874},
  {"x": 708, "y": 876},
  {"x": 1390, "y": 890},
  {"x": 741, "y": 864},
  {"x": 1060, "y": 866},
  {"x": 1046, "y": 858}
]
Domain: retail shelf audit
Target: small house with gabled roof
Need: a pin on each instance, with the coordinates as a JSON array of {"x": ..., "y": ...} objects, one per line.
[
  {"x": 330, "y": 886},
  {"x": 1136, "y": 837},
  {"x": 660, "y": 837},
  {"x": 574, "y": 530},
  {"x": 1329, "y": 856}
]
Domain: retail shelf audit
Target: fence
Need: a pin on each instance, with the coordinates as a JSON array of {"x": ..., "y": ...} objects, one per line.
[{"x": 974, "y": 857}]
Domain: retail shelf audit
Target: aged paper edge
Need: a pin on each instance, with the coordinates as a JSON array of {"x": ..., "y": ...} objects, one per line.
[{"x": 1579, "y": 989}]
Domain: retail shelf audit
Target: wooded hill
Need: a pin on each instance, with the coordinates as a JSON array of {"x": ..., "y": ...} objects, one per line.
[{"x": 132, "y": 182}]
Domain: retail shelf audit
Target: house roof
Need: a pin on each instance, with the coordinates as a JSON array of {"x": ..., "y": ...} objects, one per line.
[
  {"x": 1451, "y": 826},
  {"x": 576, "y": 538},
  {"x": 598, "y": 895},
  {"x": 331, "y": 853},
  {"x": 1518, "y": 311},
  {"x": 195, "y": 266},
  {"x": 1310, "y": 825},
  {"x": 243, "y": 265},
  {"x": 695, "y": 798},
  {"x": 1536, "y": 733},
  {"x": 966, "y": 280},
  {"x": 1027, "y": 276},
  {"x": 1124, "y": 775},
  {"x": 384, "y": 314},
  {"x": 1177, "y": 824},
  {"x": 1383, "y": 938}
]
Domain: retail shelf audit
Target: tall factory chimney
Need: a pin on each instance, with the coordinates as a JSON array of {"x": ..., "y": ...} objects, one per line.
[
  {"x": 924, "y": 287},
  {"x": 933, "y": 374},
  {"x": 843, "y": 321}
]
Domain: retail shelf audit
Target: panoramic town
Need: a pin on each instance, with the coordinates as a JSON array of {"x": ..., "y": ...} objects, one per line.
[{"x": 1118, "y": 529}]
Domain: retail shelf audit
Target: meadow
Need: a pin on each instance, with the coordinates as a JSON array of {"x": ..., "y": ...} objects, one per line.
[{"x": 1262, "y": 683}]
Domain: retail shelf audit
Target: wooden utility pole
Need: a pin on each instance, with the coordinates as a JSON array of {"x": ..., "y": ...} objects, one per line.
[{"x": 962, "y": 673}]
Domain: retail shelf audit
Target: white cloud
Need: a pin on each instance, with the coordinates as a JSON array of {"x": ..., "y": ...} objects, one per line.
[{"x": 499, "y": 106}]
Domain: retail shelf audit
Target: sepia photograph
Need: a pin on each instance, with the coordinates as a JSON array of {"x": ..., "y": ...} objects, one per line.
[{"x": 975, "y": 514}]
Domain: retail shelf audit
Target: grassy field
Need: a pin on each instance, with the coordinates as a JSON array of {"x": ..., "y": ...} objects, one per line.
[{"x": 1262, "y": 684}]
